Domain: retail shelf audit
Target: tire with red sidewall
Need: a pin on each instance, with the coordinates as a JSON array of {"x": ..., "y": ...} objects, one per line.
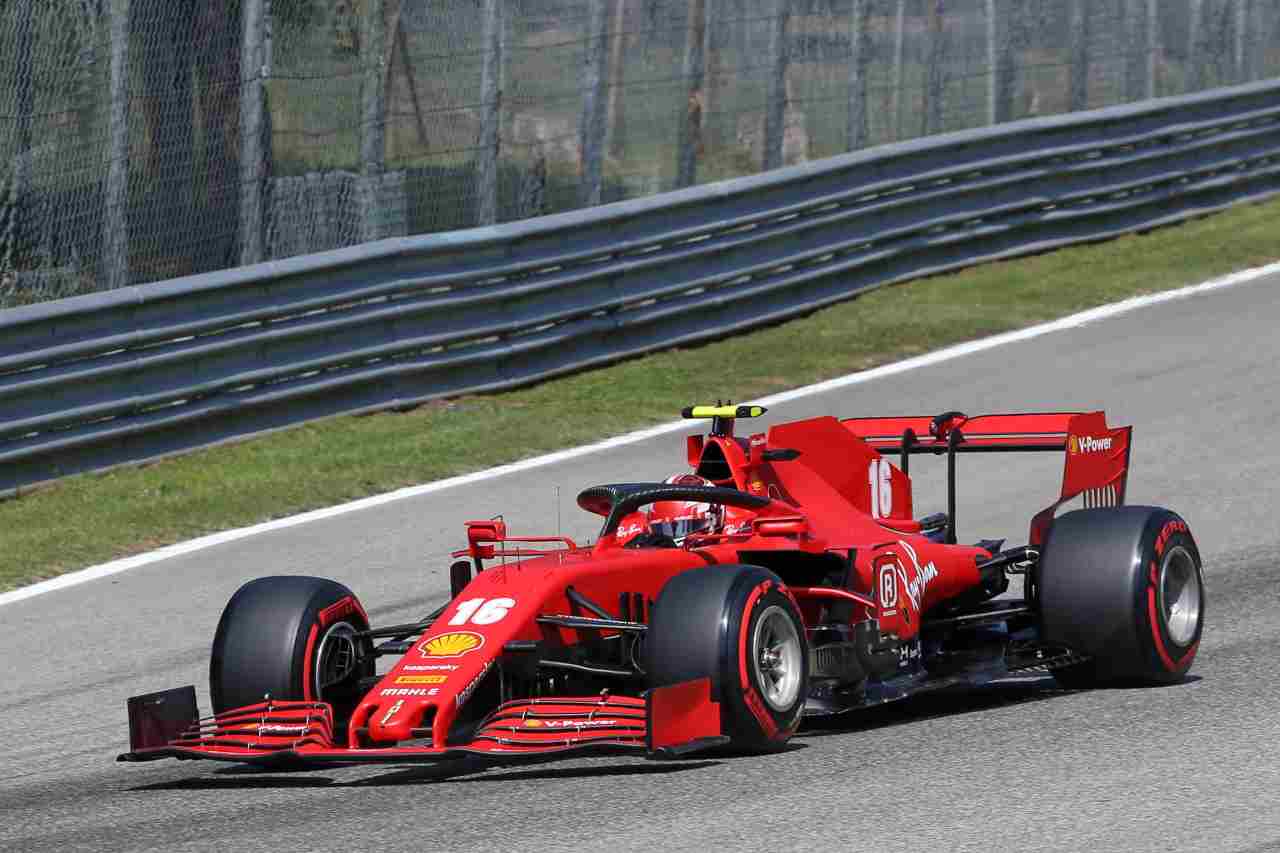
[
  {"x": 1104, "y": 577},
  {"x": 271, "y": 636},
  {"x": 705, "y": 623}
]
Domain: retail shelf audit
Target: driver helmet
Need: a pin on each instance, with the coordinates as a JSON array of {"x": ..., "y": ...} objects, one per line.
[{"x": 679, "y": 519}]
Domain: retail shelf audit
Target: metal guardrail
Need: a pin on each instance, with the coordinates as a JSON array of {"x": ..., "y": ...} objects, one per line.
[{"x": 137, "y": 373}]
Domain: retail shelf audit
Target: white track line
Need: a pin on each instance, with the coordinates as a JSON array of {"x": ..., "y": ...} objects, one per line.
[{"x": 958, "y": 351}]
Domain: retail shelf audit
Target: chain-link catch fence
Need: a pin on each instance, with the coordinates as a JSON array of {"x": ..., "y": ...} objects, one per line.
[{"x": 148, "y": 139}]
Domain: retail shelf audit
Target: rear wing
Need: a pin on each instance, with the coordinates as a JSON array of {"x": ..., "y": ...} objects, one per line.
[{"x": 1096, "y": 467}]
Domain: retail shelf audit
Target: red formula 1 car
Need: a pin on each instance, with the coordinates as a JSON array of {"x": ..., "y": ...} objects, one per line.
[{"x": 785, "y": 575}]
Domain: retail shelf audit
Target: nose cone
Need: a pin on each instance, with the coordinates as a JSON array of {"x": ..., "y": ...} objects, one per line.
[{"x": 395, "y": 717}]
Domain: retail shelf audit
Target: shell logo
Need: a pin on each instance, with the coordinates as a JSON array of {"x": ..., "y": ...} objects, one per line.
[
  {"x": 1074, "y": 444},
  {"x": 455, "y": 644},
  {"x": 533, "y": 724}
]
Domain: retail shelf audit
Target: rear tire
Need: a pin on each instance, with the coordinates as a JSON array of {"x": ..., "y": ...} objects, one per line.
[
  {"x": 1124, "y": 586},
  {"x": 737, "y": 626},
  {"x": 290, "y": 638}
]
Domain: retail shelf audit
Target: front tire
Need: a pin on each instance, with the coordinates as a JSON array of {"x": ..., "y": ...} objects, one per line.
[
  {"x": 290, "y": 638},
  {"x": 1123, "y": 585},
  {"x": 737, "y": 626}
]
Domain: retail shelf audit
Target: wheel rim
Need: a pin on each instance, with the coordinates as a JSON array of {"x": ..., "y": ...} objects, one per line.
[
  {"x": 776, "y": 657},
  {"x": 335, "y": 658},
  {"x": 1180, "y": 595}
]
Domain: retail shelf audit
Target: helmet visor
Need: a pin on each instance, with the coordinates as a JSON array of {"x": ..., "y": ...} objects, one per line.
[{"x": 679, "y": 528}]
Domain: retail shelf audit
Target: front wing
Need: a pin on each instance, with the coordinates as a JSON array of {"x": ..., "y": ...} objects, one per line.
[{"x": 664, "y": 722}]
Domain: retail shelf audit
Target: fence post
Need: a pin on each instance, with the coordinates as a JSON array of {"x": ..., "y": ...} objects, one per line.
[
  {"x": 742, "y": 43},
  {"x": 1135, "y": 49},
  {"x": 24, "y": 96},
  {"x": 504, "y": 69},
  {"x": 712, "y": 68},
  {"x": 932, "y": 119},
  {"x": 859, "y": 59},
  {"x": 594, "y": 105},
  {"x": 1240, "y": 46},
  {"x": 115, "y": 214},
  {"x": 490, "y": 115},
  {"x": 1000, "y": 61},
  {"x": 252, "y": 153},
  {"x": 895, "y": 104},
  {"x": 615, "y": 119},
  {"x": 689, "y": 133},
  {"x": 1079, "y": 96},
  {"x": 373, "y": 128},
  {"x": 24, "y": 106},
  {"x": 775, "y": 111},
  {"x": 1195, "y": 45},
  {"x": 1153, "y": 47},
  {"x": 1237, "y": 40},
  {"x": 1258, "y": 26},
  {"x": 164, "y": 33}
]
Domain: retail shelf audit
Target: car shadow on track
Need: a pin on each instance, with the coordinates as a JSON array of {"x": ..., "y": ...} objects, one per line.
[
  {"x": 418, "y": 775},
  {"x": 943, "y": 703},
  {"x": 954, "y": 701},
  {"x": 240, "y": 781},
  {"x": 457, "y": 771}
]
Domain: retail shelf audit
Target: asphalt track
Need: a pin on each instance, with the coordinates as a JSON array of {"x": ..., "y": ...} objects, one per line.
[{"x": 1020, "y": 766}]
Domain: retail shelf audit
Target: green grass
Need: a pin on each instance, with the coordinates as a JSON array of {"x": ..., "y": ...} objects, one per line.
[{"x": 91, "y": 518}]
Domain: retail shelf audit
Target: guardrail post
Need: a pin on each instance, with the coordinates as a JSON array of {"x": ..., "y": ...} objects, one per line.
[
  {"x": 115, "y": 214},
  {"x": 689, "y": 133},
  {"x": 859, "y": 59},
  {"x": 896, "y": 93},
  {"x": 594, "y": 105},
  {"x": 1078, "y": 98},
  {"x": 490, "y": 115},
  {"x": 1000, "y": 62},
  {"x": 373, "y": 129},
  {"x": 775, "y": 111},
  {"x": 252, "y": 151}
]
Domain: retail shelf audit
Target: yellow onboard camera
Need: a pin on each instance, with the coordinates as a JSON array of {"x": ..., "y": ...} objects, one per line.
[{"x": 723, "y": 411}]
